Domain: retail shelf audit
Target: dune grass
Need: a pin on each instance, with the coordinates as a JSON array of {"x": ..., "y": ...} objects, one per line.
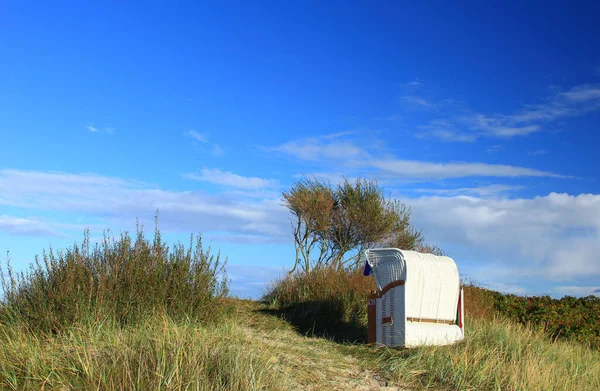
[
  {"x": 497, "y": 353},
  {"x": 138, "y": 315},
  {"x": 124, "y": 315},
  {"x": 156, "y": 354},
  {"x": 121, "y": 281}
]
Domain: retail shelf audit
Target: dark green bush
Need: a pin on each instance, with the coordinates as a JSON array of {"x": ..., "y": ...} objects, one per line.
[{"x": 571, "y": 318}]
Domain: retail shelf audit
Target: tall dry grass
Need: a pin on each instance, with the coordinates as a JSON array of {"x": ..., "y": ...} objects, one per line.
[
  {"x": 126, "y": 314},
  {"x": 116, "y": 281},
  {"x": 499, "y": 355},
  {"x": 156, "y": 354}
]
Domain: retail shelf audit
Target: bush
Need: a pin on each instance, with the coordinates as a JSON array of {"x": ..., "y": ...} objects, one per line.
[
  {"x": 121, "y": 281},
  {"x": 327, "y": 301},
  {"x": 570, "y": 318},
  {"x": 575, "y": 319}
]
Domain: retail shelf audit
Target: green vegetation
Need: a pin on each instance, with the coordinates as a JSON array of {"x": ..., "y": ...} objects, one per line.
[
  {"x": 328, "y": 302},
  {"x": 511, "y": 341},
  {"x": 118, "y": 281},
  {"x": 574, "y": 319},
  {"x": 498, "y": 355},
  {"x": 155, "y": 354},
  {"x": 136, "y": 314},
  {"x": 334, "y": 225}
]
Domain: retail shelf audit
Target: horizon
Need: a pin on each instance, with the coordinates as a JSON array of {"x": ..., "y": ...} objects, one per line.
[{"x": 484, "y": 120}]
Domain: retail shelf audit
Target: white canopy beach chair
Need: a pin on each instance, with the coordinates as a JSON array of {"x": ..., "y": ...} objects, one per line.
[{"x": 418, "y": 300}]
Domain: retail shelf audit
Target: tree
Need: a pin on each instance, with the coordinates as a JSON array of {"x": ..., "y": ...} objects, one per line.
[
  {"x": 312, "y": 203},
  {"x": 333, "y": 226}
]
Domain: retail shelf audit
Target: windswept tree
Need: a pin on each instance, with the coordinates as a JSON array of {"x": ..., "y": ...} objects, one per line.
[
  {"x": 333, "y": 226},
  {"x": 312, "y": 202}
]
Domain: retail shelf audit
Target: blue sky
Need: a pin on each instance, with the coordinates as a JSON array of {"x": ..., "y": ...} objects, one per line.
[{"x": 483, "y": 119}]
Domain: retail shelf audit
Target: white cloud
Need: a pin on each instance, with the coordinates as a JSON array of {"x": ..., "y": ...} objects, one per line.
[
  {"x": 94, "y": 129},
  {"x": 420, "y": 169},
  {"x": 494, "y": 148},
  {"x": 337, "y": 135},
  {"x": 583, "y": 93},
  {"x": 314, "y": 149},
  {"x": 555, "y": 236},
  {"x": 351, "y": 156},
  {"x": 417, "y": 101},
  {"x": 481, "y": 191},
  {"x": 497, "y": 126},
  {"x": 197, "y": 136},
  {"x": 460, "y": 121},
  {"x": 26, "y": 226},
  {"x": 226, "y": 178},
  {"x": 414, "y": 83},
  {"x": 447, "y": 135},
  {"x": 122, "y": 201},
  {"x": 203, "y": 138},
  {"x": 550, "y": 238}
]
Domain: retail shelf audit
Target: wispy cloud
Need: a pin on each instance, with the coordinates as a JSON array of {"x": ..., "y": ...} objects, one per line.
[
  {"x": 445, "y": 134},
  {"x": 480, "y": 191},
  {"x": 494, "y": 148},
  {"x": 197, "y": 136},
  {"x": 352, "y": 157},
  {"x": 414, "y": 83},
  {"x": 94, "y": 129},
  {"x": 122, "y": 201},
  {"x": 230, "y": 179},
  {"x": 458, "y": 122},
  {"x": 338, "y": 135},
  {"x": 26, "y": 226},
  {"x": 554, "y": 237},
  {"x": 420, "y": 169},
  {"x": 321, "y": 148},
  {"x": 417, "y": 101},
  {"x": 203, "y": 139}
]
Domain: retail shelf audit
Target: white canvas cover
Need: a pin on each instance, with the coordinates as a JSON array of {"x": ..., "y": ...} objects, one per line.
[{"x": 424, "y": 308}]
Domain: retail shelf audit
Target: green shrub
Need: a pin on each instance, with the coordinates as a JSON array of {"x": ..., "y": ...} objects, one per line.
[
  {"x": 570, "y": 318},
  {"x": 327, "y": 301},
  {"x": 121, "y": 281},
  {"x": 576, "y": 319}
]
